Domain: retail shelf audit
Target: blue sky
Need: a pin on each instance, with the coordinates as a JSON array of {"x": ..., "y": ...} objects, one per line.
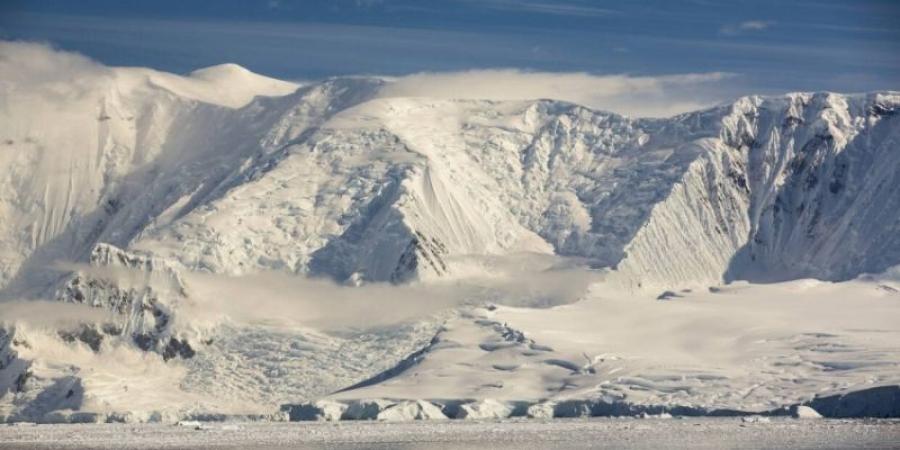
[{"x": 770, "y": 46}]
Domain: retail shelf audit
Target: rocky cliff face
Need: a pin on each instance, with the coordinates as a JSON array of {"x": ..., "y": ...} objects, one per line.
[
  {"x": 142, "y": 291},
  {"x": 824, "y": 187}
]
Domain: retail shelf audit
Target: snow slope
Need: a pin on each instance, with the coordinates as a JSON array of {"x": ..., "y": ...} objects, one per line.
[
  {"x": 742, "y": 347},
  {"x": 78, "y": 155},
  {"x": 122, "y": 186}
]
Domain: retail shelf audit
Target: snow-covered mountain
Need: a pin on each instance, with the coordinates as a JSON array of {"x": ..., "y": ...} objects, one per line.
[
  {"x": 333, "y": 180},
  {"x": 120, "y": 183}
]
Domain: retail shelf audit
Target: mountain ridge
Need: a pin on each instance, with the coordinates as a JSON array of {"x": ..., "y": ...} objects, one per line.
[{"x": 648, "y": 159}]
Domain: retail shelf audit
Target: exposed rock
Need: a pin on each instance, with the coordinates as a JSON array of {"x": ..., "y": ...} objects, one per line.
[
  {"x": 573, "y": 408},
  {"x": 320, "y": 410},
  {"x": 881, "y": 401}
]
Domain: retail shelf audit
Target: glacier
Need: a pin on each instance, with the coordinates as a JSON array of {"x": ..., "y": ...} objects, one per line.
[{"x": 136, "y": 192}]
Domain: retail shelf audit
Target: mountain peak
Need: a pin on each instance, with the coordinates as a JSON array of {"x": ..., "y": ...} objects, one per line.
[{"x": 219, "y": 71}]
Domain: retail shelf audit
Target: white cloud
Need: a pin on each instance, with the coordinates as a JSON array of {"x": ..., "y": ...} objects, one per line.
[
  {"x": 554, "y": 7},
  {"x": 33, "y": 72},
  {"x": 749, "y": 25},
  {"x": 40, "y": 70},
  {"x": 273, "y": 298},
  {"x": 37, "y": 63},
  {"x": 754, "y": 25},
  {"x": 50, "y": 313},
  {"x": 644, "y": 96},
  {"x": 545, "y": 7},
  {"x": 281, "y": 299}
]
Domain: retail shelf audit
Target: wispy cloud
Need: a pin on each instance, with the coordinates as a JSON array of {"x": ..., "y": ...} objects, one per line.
[
  {"x": 558, "y": 8},
  {"x": 754, "y": 25},
  {"x": 50, "y": 313},
  {"x": 53, "y": 73},
  {"x": 281, "y": 299},
  {"x": 38, "y": 69},
  {"x": 644, "y": 96},
  {"x": 746, "y": 26}
]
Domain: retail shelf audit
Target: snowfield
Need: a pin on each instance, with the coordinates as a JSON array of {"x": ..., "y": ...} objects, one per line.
[
  {"x": 224, "y": 245},
  {"x": 735, "y": 348}
]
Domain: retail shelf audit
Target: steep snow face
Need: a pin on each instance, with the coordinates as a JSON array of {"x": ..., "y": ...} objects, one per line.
[
  {"x": 78, "y": 154},
  {"x": 491, "y": 178},
  {"x": 823, "y": 171},
  {"x": 783, "y": 188},
  {"x": 362, "y": 197},
  {"x": 666, "y": 202},
  {"x": 692, "y": 234},
  {"x": 148, "y": 158}
]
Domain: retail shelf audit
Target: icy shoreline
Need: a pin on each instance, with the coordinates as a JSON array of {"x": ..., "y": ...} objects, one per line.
[
  {"x": 877, "y": 402},
  {"x": 881, "y": 402}
]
